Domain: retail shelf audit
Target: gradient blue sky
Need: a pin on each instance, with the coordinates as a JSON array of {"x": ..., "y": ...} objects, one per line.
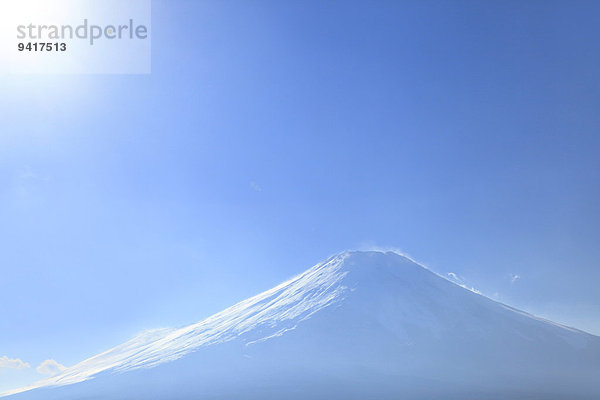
[{"x": 273, "y": 134}]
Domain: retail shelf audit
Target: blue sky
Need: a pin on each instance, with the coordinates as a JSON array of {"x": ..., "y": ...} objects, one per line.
[{"x": 271, "y": 135}]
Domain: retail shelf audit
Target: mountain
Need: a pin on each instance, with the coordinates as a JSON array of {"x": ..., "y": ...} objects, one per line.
[{"x": 360, "y": 325}]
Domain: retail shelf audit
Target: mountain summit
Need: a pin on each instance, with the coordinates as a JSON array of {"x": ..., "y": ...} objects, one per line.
[{"x": 360, "y": 325}]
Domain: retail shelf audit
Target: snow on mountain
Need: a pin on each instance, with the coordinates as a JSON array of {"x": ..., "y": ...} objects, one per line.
[{"x": 359, "y": 325}]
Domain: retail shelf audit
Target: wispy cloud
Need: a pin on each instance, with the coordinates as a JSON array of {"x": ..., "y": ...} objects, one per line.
[
  {"x": 460, "y": 281},
  {"x": 255, "y": 186},
  {"x": 455, "y": 277},
  {"x": 514, "y": 278},
  {"x": 13, "y": 363},
  {"x": 50, "y": 367}
]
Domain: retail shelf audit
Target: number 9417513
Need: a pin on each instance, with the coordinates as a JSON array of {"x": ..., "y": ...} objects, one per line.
[{"x": 42, "y": 46}]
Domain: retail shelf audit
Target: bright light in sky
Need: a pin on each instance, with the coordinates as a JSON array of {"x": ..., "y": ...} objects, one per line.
[
  {"x": 33, "y": 11},
  {"x": 25, "y": 12},
  {"x": 76, "y": 36}
]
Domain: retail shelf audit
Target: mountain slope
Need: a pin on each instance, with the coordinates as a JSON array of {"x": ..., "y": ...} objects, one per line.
[{"x": 359, "y": 325}]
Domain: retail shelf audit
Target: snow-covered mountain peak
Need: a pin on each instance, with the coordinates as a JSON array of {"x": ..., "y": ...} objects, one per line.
[
  {"x": 376, "y": 264},
  {"x": 364, "y": 310}
]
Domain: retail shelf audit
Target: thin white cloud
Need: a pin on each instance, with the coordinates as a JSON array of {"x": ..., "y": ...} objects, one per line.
[
  {"x": 514, "y": 278},
  {"x": 50, "y": 367},
  {"x": 459, "y": 280},
  {"x": 472, "y": 289},
  {"x": 454, "y": 277},
  {"x": 13, "y": 363}
]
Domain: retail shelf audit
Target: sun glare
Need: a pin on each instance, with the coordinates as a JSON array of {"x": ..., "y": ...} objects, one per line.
[{"x": 19, "y": 15}]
